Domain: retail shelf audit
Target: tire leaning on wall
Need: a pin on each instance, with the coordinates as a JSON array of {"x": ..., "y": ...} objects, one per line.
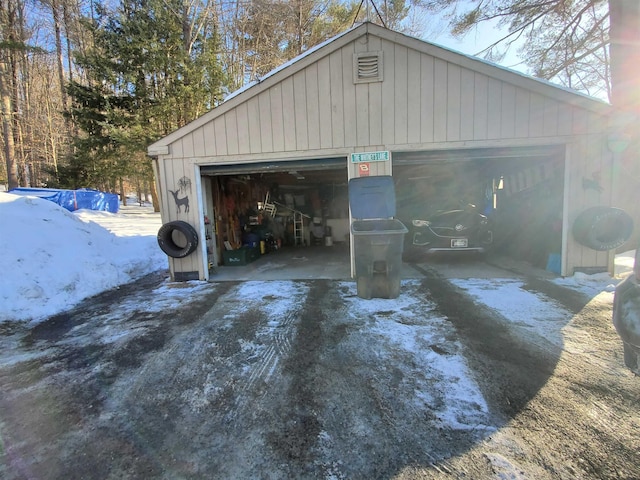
[
  {"x": 603, "y": 228},
  {"x": 170, "y": 247}
]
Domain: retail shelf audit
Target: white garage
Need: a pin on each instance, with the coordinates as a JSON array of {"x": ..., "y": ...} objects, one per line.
[{"x": 272, "y": 163}]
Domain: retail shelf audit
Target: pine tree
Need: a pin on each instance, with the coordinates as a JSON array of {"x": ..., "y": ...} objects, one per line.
[{"x": 152, "y": 69}]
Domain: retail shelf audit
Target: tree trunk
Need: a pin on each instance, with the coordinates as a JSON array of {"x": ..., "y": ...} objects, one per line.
[
  {"x": 624, "y": 35},
  {"x": 7, "y": 128},
  {"x": 123, "y": 195},
  {"x": 154, "y": 191},
  {"x": 59, "y": 54}
]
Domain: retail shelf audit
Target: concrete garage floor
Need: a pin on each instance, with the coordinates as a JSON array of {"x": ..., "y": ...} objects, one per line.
[
  {"x": 332, "y": 263},
  {"x": 292, "y": 263}
]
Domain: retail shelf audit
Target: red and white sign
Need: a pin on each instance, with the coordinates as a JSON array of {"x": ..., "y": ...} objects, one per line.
[{"x": 363, "y": 169}]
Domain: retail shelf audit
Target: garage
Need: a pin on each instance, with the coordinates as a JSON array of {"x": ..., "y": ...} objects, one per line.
[{"x": 269, "y": 168}]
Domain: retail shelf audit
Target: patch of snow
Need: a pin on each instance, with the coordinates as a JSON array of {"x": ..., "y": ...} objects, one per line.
[{"x": 52, "y": 259}]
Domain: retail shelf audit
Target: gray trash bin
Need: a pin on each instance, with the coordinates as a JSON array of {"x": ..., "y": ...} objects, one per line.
[{"x": 378, "y": 238}]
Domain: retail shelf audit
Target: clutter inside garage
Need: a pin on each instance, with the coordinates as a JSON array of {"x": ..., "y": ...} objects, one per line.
[{"x": 259, "y": 213}]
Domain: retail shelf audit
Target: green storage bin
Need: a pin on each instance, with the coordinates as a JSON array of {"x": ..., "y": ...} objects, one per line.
[{"x": 240, "y": 257}]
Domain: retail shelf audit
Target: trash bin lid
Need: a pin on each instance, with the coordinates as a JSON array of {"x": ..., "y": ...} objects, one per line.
[{"x": 372, "y": 197}]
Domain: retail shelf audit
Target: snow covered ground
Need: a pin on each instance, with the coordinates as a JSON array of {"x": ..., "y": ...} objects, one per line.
[{"x": 52, "y": 259}]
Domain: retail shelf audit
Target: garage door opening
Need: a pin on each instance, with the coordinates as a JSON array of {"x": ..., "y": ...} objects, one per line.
[
  {"x": 506, "y": 201},
  {"x": 268, "y": 208}
]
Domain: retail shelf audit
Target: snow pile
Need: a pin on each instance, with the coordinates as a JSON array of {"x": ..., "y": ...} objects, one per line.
[{"x": 52, "y": 259}]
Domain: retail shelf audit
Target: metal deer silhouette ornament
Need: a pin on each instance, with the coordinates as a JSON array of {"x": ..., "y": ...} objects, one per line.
[{"x": 180, "y": 202}]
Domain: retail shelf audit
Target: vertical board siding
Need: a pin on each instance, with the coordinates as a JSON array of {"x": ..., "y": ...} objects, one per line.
[
  {"x": 375, "y": 99},
  {"x": 565, "y": 119},
  {"x": 362, "y": 103},
  {"x": 266, "y": 131},
  {"x": 231, "y": 131},
  {"x": 413, "y": 95},
  {"x": 375, "y": 113},
  {"x": 300, "y": 111},
  {"x": 313, "y": 107},
  {"x": 362, "y": 114},
  {"x": 253, "y": 113},
  {"x": 427, "y": 104},
  {"x": 242, "y": 130},
  {"x": 177, "y": 149},
  {"x": 536, "y": 117},
  {"x": 187, "y": 145},
  {"x": 349, "y": 97},
  {"x": 209, "y": 139},
  {"x": 494, "y": 113},
  {"x": 508, "y": 111},
  {"x": 467, "y": 105},
  {"x": 580, "y": 122},
  {"x": 550, "y": 117},
  {"x": 289, "y": 118},
  {"x": 440, "y": 92},
  {"x": 480, "y": 107},
  {"x": 453, "y": 102},
  {"x": 198, "y": 143},
  {"x": 422, "y": 99},
  {"x": 400, "y": 100},
  {"x": 324, "y": 103},
  {"x": 578, "y": 201},
  {"x": 277, "y": 119},
  {"x": 337, "y": 103},
  {"x": 388, "y": 93},
  {"x": 523, "y": 108},
  {"x": 221, "y": 135}
]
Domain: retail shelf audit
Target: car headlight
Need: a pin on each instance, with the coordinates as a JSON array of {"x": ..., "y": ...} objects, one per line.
[{"x": 421, "y": 223}]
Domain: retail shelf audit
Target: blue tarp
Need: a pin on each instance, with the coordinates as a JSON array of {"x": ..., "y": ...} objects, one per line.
[{"x": 74, "y": 200}]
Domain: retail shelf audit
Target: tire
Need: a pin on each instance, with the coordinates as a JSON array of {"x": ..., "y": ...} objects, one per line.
[
  {"x": 603, "y": 228},
  {"x": 169, "y": 246}
]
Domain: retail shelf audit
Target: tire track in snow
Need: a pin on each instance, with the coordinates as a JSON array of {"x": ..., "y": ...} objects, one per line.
[{"x": 277, "y": 320}]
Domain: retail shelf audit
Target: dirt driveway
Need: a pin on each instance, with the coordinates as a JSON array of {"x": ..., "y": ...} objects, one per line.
[{"x": 283, "y": 379}]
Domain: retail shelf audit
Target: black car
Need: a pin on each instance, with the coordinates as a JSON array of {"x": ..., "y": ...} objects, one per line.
[
  {"x": 626, "y": 316},
  {"x": 460, "y": 229}
]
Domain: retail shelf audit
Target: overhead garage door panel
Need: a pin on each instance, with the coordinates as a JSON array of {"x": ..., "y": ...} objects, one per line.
[
  {"x": 419, "y": 158},
  {"x": 275, "y": 166}
]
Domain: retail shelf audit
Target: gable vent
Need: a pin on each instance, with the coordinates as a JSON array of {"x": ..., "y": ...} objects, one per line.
[{"x": 367, "y": 67}]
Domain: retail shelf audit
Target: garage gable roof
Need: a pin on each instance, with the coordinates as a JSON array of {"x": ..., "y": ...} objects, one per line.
[{"x": 322, "y": 50}]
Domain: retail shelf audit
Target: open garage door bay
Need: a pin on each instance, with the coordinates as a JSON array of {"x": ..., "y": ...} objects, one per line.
[
  {"x": 519, "y": 190},
  {"x": 268, "y": 206}
]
